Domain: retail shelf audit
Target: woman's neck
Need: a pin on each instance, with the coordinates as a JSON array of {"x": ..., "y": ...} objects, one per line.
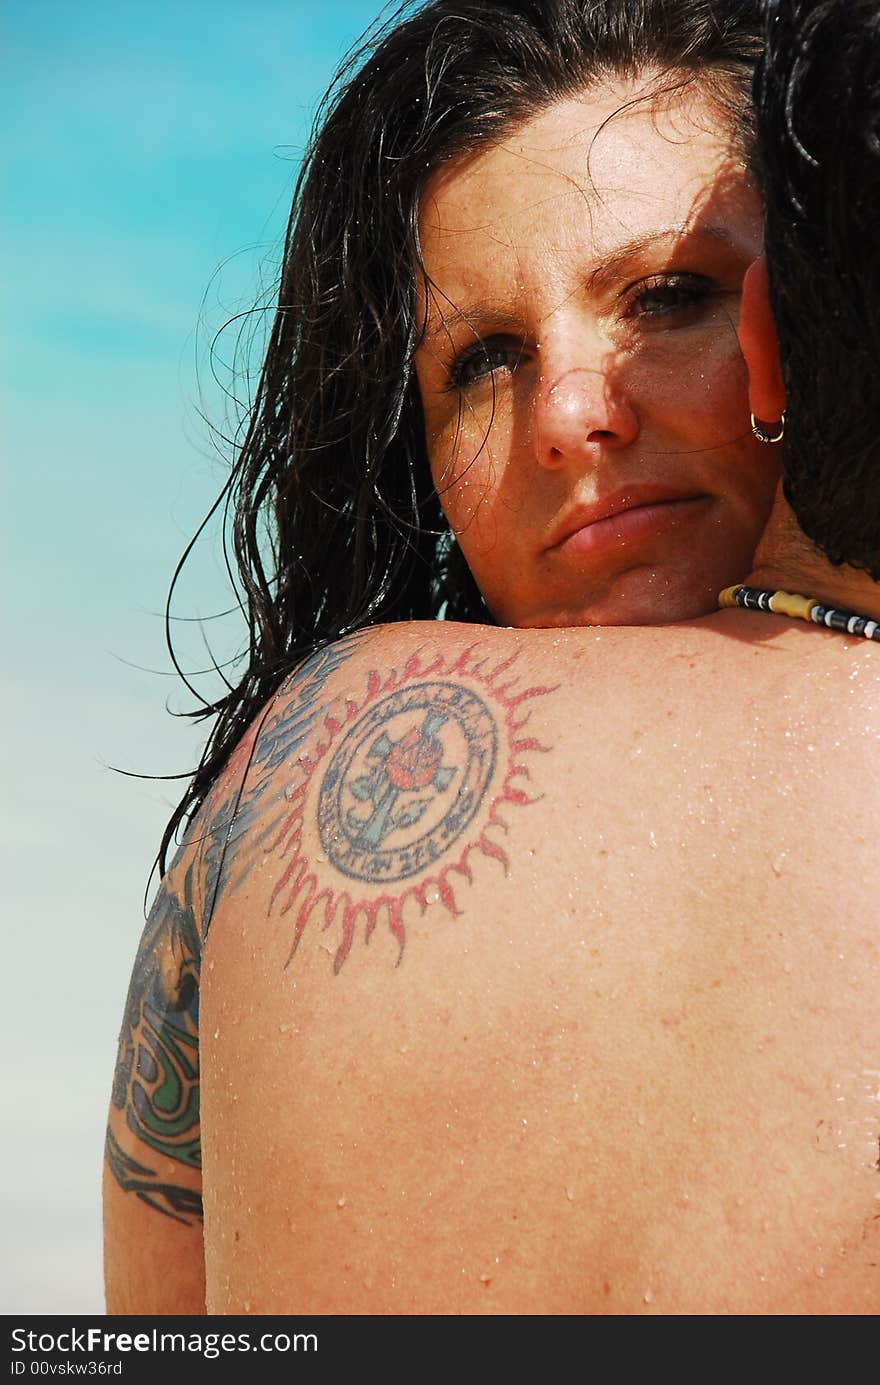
[{"x": 787, "y": 560}]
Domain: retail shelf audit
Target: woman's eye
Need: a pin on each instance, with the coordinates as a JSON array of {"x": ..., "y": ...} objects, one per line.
[
  {"x": 483, "y": 359},
  {"x": 669, "y": 295}
]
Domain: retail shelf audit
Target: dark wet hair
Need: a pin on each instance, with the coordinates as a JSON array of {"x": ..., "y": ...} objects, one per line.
[
  {"x": 817, "y": 99},
  {"x": 335, "y": 523}
]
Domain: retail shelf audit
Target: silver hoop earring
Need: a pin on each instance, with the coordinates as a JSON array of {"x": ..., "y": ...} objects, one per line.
[{"x": 761, "y": 433}]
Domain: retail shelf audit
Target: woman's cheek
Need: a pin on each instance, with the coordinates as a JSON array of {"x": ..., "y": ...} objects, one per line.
[
  {"x": 468, "y": 468},
  {"x": 692, "y": 377},
  {"x": 713, "y": 396}
]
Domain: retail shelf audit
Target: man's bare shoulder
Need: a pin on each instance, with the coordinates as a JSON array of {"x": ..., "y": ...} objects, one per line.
[
  {"x": 392, "y": 765},
  {"x": 342, "y": 755}
]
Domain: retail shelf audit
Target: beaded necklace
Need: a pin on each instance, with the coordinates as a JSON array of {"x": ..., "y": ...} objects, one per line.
[{"x": 801, "y": 608}]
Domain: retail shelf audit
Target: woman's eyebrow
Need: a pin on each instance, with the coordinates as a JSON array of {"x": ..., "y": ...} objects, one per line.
[
  {"x": 633, "y": 252},
  {"x": 487, "y": 314}
]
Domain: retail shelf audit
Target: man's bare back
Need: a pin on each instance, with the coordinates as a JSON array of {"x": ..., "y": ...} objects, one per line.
[{"x": 544, "y": 978}]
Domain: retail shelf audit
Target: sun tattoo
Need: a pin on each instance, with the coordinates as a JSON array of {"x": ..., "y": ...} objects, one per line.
[{"x": 403, "y": 788}]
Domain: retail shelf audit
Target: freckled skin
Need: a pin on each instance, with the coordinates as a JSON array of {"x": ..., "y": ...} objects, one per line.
[
  {"x": 555, "y": 248},
  {"x": 619, "y": 1066}
]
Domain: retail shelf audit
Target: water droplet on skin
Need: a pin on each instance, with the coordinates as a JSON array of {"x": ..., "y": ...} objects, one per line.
[
  {"x": 569, "y": 1193},
  {"x": 216, "y": 1033},
  {"x": 486, "y": 1279},
  {"x": 283, "y": 1028},
  {"x": 648, "y": 1296},
  {"x": 779, "y": 863},
  {"x": 641, "y": 1118},
  {"x": 432, "y": 894},
  {"x": 820, "y": 1272},
  {"x": 652, "y": 840},
  {"x": 341, "y": 1200}
]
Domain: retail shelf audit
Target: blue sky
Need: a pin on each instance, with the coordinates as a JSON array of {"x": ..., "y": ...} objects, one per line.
[{"x": 149, "y": 151}]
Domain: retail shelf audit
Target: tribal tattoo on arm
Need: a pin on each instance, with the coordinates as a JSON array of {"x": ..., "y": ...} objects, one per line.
[
  {"x": 155, "y": 1096},
  {"x": 156, "y": 1082}
]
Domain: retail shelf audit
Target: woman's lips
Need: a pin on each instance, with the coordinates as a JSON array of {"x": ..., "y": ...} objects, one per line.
[{"x": 626, "y": 526}]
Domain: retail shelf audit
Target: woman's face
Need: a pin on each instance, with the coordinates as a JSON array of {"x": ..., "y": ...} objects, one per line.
[{"x": 584, "y": 395}]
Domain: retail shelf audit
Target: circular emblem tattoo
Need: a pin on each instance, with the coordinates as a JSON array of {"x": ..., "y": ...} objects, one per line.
[{"x": 406, "y": 781}]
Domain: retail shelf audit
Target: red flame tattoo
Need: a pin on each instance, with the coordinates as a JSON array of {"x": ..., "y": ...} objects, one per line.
[{"x": 404, "y": 787}]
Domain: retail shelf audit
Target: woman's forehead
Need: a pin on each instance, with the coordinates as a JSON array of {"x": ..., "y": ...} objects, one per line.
[{"x": 614, "y": 163}]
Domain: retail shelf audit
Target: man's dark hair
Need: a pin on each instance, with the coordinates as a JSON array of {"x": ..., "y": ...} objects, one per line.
[{"x": 817, "y": 99}]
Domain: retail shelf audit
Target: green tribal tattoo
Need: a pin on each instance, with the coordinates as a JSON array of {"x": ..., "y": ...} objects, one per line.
[{"x": 156, "y": 1082}]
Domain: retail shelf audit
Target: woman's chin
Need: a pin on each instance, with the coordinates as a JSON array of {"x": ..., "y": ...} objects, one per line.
[{"x": 645, "y": 596}]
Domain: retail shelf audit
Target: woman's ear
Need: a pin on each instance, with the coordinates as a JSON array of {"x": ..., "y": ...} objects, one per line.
[{"x": 760, "y": 345}]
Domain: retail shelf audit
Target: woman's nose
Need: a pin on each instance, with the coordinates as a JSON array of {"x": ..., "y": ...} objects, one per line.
[{"x": 580, "y": 410}]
